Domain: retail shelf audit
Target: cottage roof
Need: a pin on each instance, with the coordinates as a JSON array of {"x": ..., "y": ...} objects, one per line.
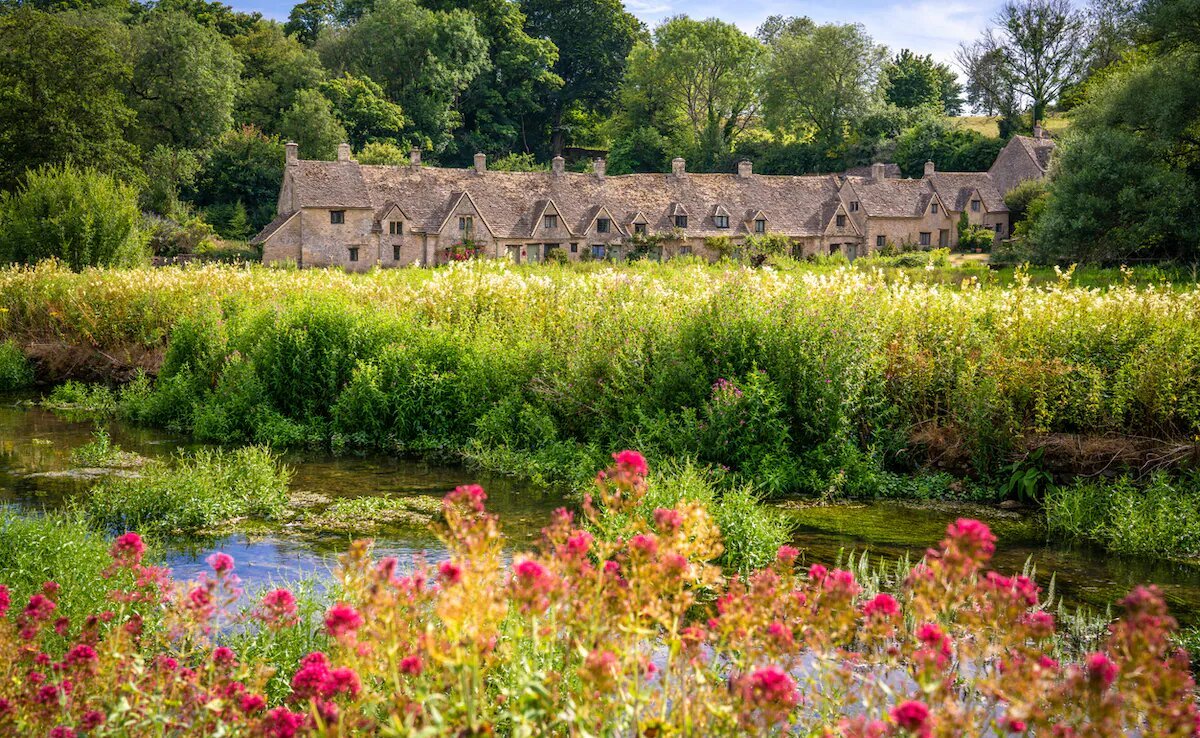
[
  {"x": 329, "y": 184},
  {"x": 957, "y": 188},
  {"x": 889, "y": 170},
  {"x": 270, "y": 229},
  {"x": 1039, "y": 149},
  {"x": 892, "y": 198}
]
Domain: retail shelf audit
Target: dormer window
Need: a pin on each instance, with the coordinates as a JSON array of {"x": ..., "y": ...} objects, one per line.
[
  {"x": 933, "y": 208},
  {"x": 721, "y": 221},
  {"x": 841, "y": 221},
  {"x": 854, "y": 206},
  {"x": 639, "y": 228},
  {"x": 602, "y": 225},
  {"x": 760, "y": 225},
  {"x": 550, "y": 221},
  {"x": 681, "y": 221},
  {"x": 466, "y": 224},
  {"x": 395, "y": 228},
  {"x": 337, "y": 217},
  {"x": 975, "y": 206}
]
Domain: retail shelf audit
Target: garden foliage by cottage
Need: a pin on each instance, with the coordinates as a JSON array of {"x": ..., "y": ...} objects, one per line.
[{"x": 630, "y": 631}]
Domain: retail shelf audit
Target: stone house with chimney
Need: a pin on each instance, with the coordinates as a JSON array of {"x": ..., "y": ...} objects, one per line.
[
  {"x": 1022, "y": 158},
  {"x": 356, "y": 216}
]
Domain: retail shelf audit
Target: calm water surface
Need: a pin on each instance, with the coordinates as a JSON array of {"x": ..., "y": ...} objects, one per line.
[{"x": 36, "y": 473}]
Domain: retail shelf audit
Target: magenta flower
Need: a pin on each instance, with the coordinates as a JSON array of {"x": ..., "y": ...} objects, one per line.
[
  {"x": 911, "y": 715},
  {"x": 220, "y": 562},
  {"x": 278, "y": 609},
  {"x": 1101, "y": 670},
  {"x": 342, "y": 619},
  {"x": 883, "y": 606},
  {"x": 632, "y": 462},
  {"x": 127, "y": 549},
  {"x": 771, "y": 691}
]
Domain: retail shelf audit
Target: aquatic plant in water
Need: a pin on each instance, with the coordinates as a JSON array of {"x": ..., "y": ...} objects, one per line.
[{"x": 634, "y": 634}]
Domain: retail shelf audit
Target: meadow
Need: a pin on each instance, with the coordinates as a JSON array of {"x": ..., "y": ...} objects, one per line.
[{"x": 819, "y": 380}]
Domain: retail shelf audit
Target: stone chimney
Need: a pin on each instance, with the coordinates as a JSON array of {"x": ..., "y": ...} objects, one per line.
[
  {"x": 598, "y": 167},
  {"x": 343, "y": 152},
  {"x": 745, "y": 169},
  {"x": 878, "y": 171},
  {"x": 558, "y": 165},
  {"x": 1038, "y": 131},
  {"x": 679, "y": 167},
  {"x": 292, "y": 154},
  {"x": 480, "y": 163},
  {"x": 930, "y": 168},
  {"x": 414, "y": 157}
]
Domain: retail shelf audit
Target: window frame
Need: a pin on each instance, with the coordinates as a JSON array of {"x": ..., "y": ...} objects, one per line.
[
  {"x": 337, "y": 217},
  {"x": 933, "y": 208},
  {"x": 639, "y": 228},
  {"x": 598, "y": 251},
  {"x": 466, "y": 224},
  {"x": 395, "y": 228},
  {"x": 880, "y": 241},
  {"x": 925, "y": 238},
  {"x": 976, "y": 205},
  {"x": 603, "y": 225},
  {"x": 721, "y": 221},
  {"x": 840, "y": 220},
  {"x": 550, "y": 221},
  {"x": 760, "y": 225},
  {"x": 854, "y": 206},
  {"x": 353, "y": 253},
  {"x": 395, "y": 252},
  {"x": 681, "y": 221}
]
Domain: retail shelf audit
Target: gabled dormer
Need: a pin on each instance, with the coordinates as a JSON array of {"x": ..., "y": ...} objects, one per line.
[
  {"x": 677, "y": 215},
  {"x": 603, "y": 223},
  {"x": 548, "y": 221},
  {"x": 840, "y": 222},
  {"x": 756, "y": 222},
  {"x": 391, "y": 220},
  {"x": 936, "y": 207},
  {"x": 464, "y": 220},
  {"x": 720, "y": 217},
  {"x": 637, "y": 224}
]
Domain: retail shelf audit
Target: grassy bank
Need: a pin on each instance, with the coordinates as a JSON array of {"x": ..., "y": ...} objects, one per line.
[{"x": 820, "y": 381}]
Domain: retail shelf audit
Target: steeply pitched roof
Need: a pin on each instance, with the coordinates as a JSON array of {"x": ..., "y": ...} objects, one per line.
[
  {"x": 956, "y": 188},
  {"x": 892, "y": 198},
  {"x": 269, "y": 230},
  {"x": 1040, "y": 149},
  {"x": 329, "y": 184},
  {"x": 891, "y": 171}
]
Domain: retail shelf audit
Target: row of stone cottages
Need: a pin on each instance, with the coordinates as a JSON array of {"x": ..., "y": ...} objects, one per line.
[{"x": 356, "y": 216}]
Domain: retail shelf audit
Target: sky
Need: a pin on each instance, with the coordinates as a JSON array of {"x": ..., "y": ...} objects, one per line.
[{"x": 925, "y": 26}]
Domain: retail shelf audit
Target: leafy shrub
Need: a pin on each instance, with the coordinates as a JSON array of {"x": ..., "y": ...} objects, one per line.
[
  {"x": 631, "y": 632},
  {"x": 81, "y": 216},
  {"x": 15, "y": 371},
  {"x": 200, "y": 491},
  {"x": 81, "y": 397},
  {"x": 742, "y": 423},
  {"x": 1160, "y": 517}
]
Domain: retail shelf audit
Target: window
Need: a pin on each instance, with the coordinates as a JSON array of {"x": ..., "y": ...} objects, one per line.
[
  {"x": 933, "y": 208},
  {"x": 395, "y": 228},
  {"x": 685, "y": 250},
  {"x": 1000, "y": 228},
  {"x": 760, "y": 226},
  {"x": 854, "y": 206},
  {"x": 841, "y": 221},
  {"x": 337, "y": 216},
  {"x": 602, "y": 225},
  {"x": 353, "y": 253},
  {"x": 721, "y": 221},
  {"x": 880, "y": 242},
  {"x": 396, "y": 252},
  {"x": 550, "y": 221},
  {"x": 974, "y": 206},
  {"x": 466, "y": 224},
  {"x": 926, "y": 237},
  {"x": 574, "y": 248},
  {"x": 639, "y": 228},
  {"x": 597, "y": 251},
  {"x": 681, "y": 221}
]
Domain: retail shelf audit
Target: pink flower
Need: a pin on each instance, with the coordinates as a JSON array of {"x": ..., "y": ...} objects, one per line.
[
  {"x": 283, "y": 723},
  {"x": 787, "y": 555},
  {"x": 646, "y": 545},
  {"x": 632, "y": 462},
  {"x": 973, "y": 537},
  {"x": 1101, "y": 670},
  {"x": 772, "y": 691},
  {"x": 883, "y": 606},
  {"x": 309, "y": 680},
  {"x": 39, "y": 608},
  {"x": 252, "y": 703},
  {"x": 91, "y": 720},
  {"x": 579, "y": 543},
  {"x": 411, "y": 665},
  {"x": 127, "y": 549},
  {"x": 667, "y": 520},
  {"x": 600, "y": 668},
  {"x": 223, "y": 656},
  {"x": 278, "y": 609},
  {"x": 817, "y": 573},
  {"x": 81, "y": 655},
  {"x": 220, "y": 562},
  {"x": 341, "y": 680},
  {"x": 62, "y": 731},
  {"x": 450, "y": 573},
  {"x": 911, "y": 715},
  {"x": 341, "y": 620},
  {"x": 532, "y": 586},
  {"x": 470, "y": 496},
  {"x": 5, "y": 600}
]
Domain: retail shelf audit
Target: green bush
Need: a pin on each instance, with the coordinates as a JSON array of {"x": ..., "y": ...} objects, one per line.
[
  {"x": 15, "y": 371},
  {"x": 1159, "y": 517},
  {"x": 81, "y": 216},
  {"x": 197, "y": 492}
]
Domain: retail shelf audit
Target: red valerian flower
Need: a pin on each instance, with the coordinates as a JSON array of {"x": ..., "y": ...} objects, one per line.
[
  {"x": 1101, "y": 670},
  {"x": 631, "y": 461},
  {"x": 532, "y": 585},
  {"x": 252, "y": 703},
  {"x": 283, "y": 723},
  {"x": 278, "y": 609},
  {"x": 220, "y": 562},
  {"x": 224, "y": 656},
  {"x": 911, "y": 715},
  {"x": 600, "y": 668},
  {"x": 411, "y": 665},
  {"x": 882, "y": 606},
  {"x": 771, "y": 691},
  {"x": 667, "y": 520},
  {"x": 787, "y": 555},
  {"x": 973, "y": 537},
  {"x": 342, "y": 620},
  {"x": 127, "y": 549},
  {"x": 450, "y": 573}
]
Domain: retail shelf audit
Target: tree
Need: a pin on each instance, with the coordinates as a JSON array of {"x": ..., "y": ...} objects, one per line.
[
  {"x": 185, "y": 77},
  {"x": 61, "y": 96},
  {"x": 912, "y": 81},
  {"x": 517, "y": 163},
  {"x": 593, "y": 38},
  {"x": 309, "y": 18},
  {"x": 212, "y": 14},
  {"x": 312, "y": 123},
  {"x": 424, "y": 60},
  {"x": 378, "y": 152},
  {"x": 81, "y": 216},
  {"x": 640, "y": 150},
  {"x": 244, "y": 166},
  {"x": 169, "y": 174},
  {"x": 363, "y": 110},
  {"x": 951, "y": 148},
  {"x": 705, "y": 74},
  {"x": 819, "y": 80},
  {"x": 274, "y": 68},
  {"x": 1035, "y": 50}
]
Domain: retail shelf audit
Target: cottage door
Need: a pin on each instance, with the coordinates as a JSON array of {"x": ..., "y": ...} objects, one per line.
[{"x": 514, "y": 253}]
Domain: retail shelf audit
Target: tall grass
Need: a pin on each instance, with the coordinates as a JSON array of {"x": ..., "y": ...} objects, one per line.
[
  {"x": 15, "y": 371},
  {"x": 1158, "y": 517}
]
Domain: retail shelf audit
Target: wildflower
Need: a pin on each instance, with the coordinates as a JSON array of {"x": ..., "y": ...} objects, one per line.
[
  {"x": 1101, "y": 670},
  {"x": 600, "y": 669},
  {"x": 972, "y": 537},
  {"x": 220, "y": 562},
  {"x": 644, "y": 544},
  {"x": 283, "y": 723},
  {"x": 252, "y": 703},
  {"x": 787, "y": 555},
  {"x": 223, "y": 656},
  {"x": 532, "y": 586},
  {"x": 278, "y": 609},
  {"x": 81, "y": 656},
  {"x": 91, "y": 720},
  {"x": 667, "y": 520},
  {"x": 632, "y": 462},
  {"x": 342, "y": 620},
  {"x": 450, "y": 573},
  {"x": 411, "y": 665},
  {"x": 883, "y": 606},
  {"x": 470, "y": 496},
  {"x": 62, "y": 731},
  {"x": 912, "y": 716},
  {"x": 771, "y": 692},
  {"x": 579, "y": 543},
  {"x": 5, "y": 600},
  {"x": 342, "y": 680},
  {"x": 127, "y": 550},
  {"x": 309, "y": 680}
]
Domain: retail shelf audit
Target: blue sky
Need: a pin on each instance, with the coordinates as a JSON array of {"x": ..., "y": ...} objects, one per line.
[{"x": 926, "y": 26}]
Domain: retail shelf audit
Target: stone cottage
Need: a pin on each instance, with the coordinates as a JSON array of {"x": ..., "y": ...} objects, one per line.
[{"x": 342, "y": 213}]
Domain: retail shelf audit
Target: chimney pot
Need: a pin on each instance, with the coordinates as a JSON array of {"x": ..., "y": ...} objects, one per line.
[
  {"x": 292, "y": 152},
  {"x": 558, "y": 165},
  {"x": 599, "y": 166},
  {"x": 930, "y": 168},
  {"x": 414, "y": 157},
  {"x": 480, "y": 163},
  {"x": 678, "y": 167},
  {"x": 878, "y": 171},
  {"x": 745, "y": 168},
  {"x": 343, "y": 152}
]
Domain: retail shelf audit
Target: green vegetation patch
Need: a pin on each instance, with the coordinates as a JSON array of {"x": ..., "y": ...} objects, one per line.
[
  {"x": 15, "y": 371},
  {"x": 369, "y": 514},
  {"x": 1158, "y": 517}
]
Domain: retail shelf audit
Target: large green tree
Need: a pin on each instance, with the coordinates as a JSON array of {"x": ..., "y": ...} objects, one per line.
[
  {"x": 185, "y": 78},
  {"x": 424, "y": 60},
  {"x": 275, "y": 67},
  {"x": 593, "y": 38},
  {"x": 364, "y": 111},
  {"x": 910, "y": 80},
  {"x": 312, "y": 123},
  {"x": 243, "y": 166},
  {"x": 820, "y": 78},
  {"x": 61, "y": 93}
]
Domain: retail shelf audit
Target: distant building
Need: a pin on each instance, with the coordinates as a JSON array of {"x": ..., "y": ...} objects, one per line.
[{"x": 342, "y": 213}]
